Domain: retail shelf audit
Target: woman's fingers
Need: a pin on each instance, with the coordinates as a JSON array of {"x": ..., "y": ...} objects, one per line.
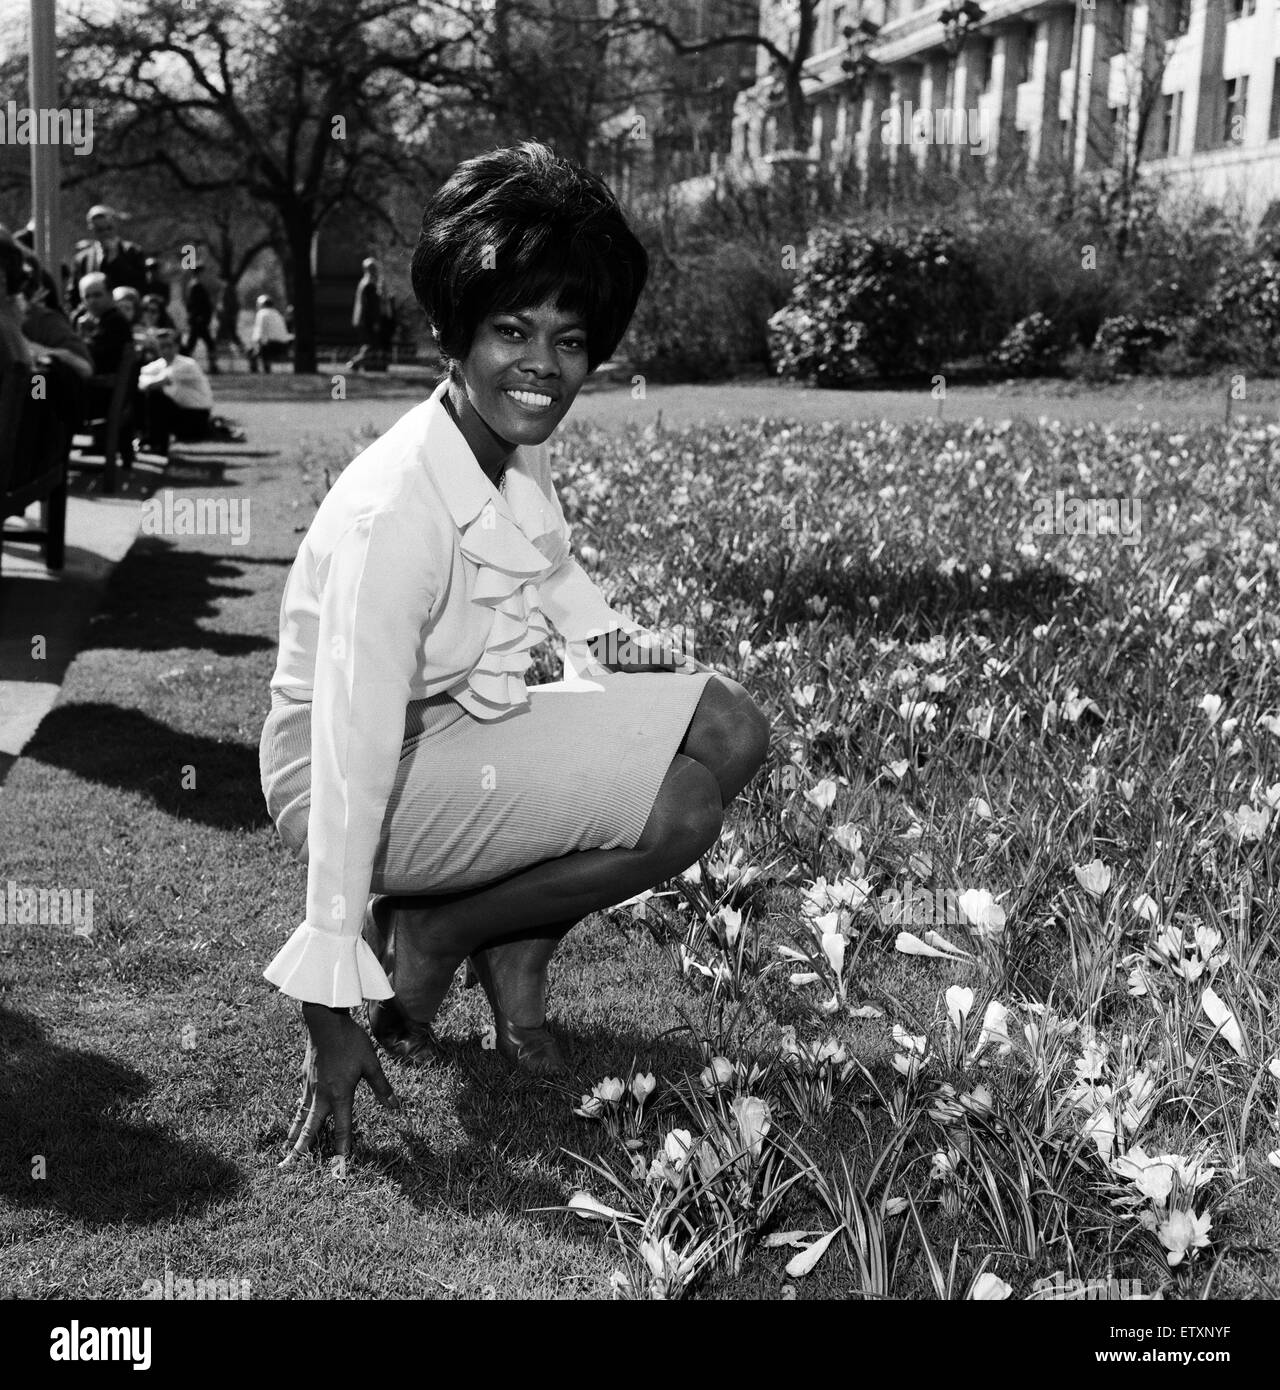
[
  {"x": 310, "y": 1130},
  {"x": 377, "y": 1078},
  {"x": 308, "y": 1094}
]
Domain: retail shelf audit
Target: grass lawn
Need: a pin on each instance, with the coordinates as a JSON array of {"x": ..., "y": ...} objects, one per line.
[{"x": 961, "y": 703}]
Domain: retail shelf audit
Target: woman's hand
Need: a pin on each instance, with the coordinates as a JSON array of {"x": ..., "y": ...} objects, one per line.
[{"x": 339, "y": 1055}]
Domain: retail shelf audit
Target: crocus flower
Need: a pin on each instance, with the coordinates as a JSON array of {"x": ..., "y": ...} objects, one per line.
[
  {"x": 1146, "y": 907},
  {"x": 959, "y": 1001},
  {"x": 1183, "y": 1232},
  {"x": 719, "y": 1073},
  {"x": 822, "y": 794},
  {"x": 988, "y": 1287},
  {"x": 753, "y": 1117},
  {"x": 676, "y": 1148},
  {"x": 981, "y": 911},
  {"x": 995, "y": 1030},
  {"x": 643, "y": 1085},
  {"x": 849, "y": 838},
  {"x": 732, "y": 921},
  {"x": 1212, "y": 706},
  {"x": 1094, "y": 877},
  {"x": 1248, "y": 824}
]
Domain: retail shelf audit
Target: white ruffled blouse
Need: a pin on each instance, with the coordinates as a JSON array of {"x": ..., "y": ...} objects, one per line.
[{"x": 416, "y": 576}]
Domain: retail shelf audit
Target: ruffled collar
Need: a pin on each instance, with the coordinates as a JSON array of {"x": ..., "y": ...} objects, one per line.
[{"x": 513, "y": 540}]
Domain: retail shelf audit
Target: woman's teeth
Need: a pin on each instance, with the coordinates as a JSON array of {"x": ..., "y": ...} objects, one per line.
[{"x": 532, "y": 399}]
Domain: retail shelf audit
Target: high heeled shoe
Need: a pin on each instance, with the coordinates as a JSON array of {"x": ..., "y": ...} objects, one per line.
[
  {"x": 532, "y": 1050},
  {"x": 393, "y": 1030}
]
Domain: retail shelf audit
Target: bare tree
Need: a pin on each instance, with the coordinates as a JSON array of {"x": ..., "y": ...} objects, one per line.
[{"x": 302, "y": 106}]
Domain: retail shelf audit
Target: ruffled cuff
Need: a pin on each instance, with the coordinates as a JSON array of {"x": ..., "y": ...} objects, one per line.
[{"x": 324, "y": 967}]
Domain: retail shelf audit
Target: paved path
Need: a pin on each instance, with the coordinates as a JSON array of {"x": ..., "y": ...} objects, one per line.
[{"x": 43, "y": 615}]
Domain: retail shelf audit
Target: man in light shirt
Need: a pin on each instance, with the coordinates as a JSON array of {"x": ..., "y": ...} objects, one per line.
[
  {"x": 176, "y": 395},
  {"x": 271, "y": 336}
]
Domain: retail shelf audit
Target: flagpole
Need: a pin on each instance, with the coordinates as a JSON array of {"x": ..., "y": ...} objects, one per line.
[{"x": 46, "y": 175}]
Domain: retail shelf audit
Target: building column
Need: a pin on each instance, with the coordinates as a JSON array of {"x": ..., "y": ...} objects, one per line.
[
  {"x": 1099, "y": 43},
  {"x": 1053, "y": 60},
  {"x": 873, "y": 154},
  {"x": 1006, "y": 60},
  {"x": 1210, "y": 107}
]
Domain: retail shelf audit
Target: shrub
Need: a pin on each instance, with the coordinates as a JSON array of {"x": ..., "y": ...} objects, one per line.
[
  {"x": 1126, "y": 342},
  {"x": 1032, "y": 347},
  {"x": 705, "y": 313},
  {"x": 1240, "y": 321},
  {"x": 903, "y": 300}
]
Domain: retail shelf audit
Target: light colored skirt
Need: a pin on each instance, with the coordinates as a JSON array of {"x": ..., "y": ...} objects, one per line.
[{"x": 476, "y": 800}]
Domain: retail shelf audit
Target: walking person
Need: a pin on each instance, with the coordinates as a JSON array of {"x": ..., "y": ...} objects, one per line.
[
  {"x": 404, "y": 754},
  {"x": 366, "y": 319},
  {"x": 199, "y": 306}
]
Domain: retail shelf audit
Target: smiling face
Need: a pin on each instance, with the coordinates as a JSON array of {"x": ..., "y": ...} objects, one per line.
[{"x": 519, "y": 378}]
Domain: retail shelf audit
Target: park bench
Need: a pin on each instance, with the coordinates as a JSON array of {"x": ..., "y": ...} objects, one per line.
[
  {"x": 112, "y": 428},
  {"x": 34, "y": 443}
]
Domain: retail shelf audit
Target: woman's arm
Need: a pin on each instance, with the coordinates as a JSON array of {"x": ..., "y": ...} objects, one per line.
[{"x": 376, "y": 596}]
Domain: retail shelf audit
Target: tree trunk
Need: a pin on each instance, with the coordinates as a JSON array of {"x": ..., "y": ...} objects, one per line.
[{"x": 300, "y": 235}]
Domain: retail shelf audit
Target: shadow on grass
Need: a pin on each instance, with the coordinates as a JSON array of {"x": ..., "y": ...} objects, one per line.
[
  {"x": 516, "y": 1126},
  {"x": 159, "y": 596},
  {"x": 911, "y": 602},
  {"x": 130, "y": 750},
  {"x": 63, "y": 1105}
]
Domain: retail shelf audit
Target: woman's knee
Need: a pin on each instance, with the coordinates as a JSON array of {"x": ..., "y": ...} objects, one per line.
[
  {"x": 686, "y": 817},
  {"x": 729, "y": 733}
]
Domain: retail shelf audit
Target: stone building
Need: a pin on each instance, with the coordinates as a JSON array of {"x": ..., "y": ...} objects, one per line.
[{"x": 1185, "y": 88}]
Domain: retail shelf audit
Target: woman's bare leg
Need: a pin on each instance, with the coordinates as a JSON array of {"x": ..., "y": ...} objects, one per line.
[{"x": 435, "y": 933}]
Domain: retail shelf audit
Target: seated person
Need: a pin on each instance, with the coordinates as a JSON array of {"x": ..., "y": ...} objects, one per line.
[
  {"x": 271, "y": 337},
  {"x": 128, "y": 301},
  {"x": 153, "y": 314},
  {"x": 47, "y": 329},
  {"x": 106, "y": 333},
  {"x": 56, "y": 349},
  {"x": 26, "y": 238},
  {"x": 13, "y": 276},
  {"x": 176, "y": 398}
]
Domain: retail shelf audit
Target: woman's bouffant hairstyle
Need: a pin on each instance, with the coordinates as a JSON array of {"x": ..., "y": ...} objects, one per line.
[{"x": 515, "y": 228}]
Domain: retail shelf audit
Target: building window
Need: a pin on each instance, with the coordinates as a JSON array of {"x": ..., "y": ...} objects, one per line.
[
  {"x": 1119, "y": 133},
  {"x": 1273, "y": 127},
  {"x": 1180, "y": 17},
  {"x": 1237, "y": 101},
  {"x": 1027, "y": 59},
  {"x": 1171, "y": 103},
  {"x": 979, "y": 78},
  {"x": 1064, "y": 141},
  {"x": 1241, "y": 9}
]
